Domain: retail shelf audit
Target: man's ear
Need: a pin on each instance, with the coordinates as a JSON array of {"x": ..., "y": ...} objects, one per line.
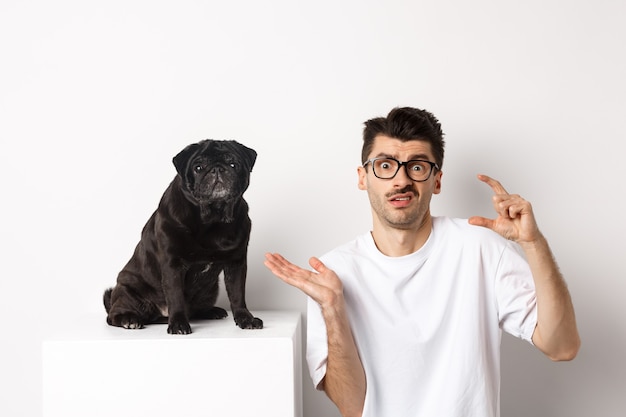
[
  {"x": 437, "y": 188},
  {"x": 362, "y": 172}
]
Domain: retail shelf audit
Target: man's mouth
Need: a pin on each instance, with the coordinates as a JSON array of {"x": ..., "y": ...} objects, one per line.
[{"x": 401, "y": 200}]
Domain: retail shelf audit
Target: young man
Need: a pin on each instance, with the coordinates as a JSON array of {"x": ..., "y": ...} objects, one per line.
[{"x": 406, "y": 320}]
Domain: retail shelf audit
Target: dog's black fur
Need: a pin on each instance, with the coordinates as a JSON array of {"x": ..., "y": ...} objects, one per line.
[{"x": 200, "y": 228}]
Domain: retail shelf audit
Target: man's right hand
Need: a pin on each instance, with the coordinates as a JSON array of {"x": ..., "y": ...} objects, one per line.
[
  {"x": 344, "y": 381},
  {"x": 322, "y": 286}
]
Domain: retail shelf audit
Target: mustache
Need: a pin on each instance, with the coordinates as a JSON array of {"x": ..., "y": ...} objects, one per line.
[{"x": 408, "y": 189}]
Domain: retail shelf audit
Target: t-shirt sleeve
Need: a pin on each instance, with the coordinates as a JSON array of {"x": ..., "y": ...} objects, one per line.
[
  {"x": 515, "y": 291},
  {"x": 317, "y": 344}
]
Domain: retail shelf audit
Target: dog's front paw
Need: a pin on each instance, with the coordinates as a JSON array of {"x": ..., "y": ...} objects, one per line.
[
  {"x": 213, "y": 313},
  {"x": 178, "y": 325},
  {"x": 127, "y": 321},
  {"x": 247, "y": 321}
]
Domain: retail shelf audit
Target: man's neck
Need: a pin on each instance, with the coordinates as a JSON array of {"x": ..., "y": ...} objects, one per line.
[{"x": 393, "y": 241}]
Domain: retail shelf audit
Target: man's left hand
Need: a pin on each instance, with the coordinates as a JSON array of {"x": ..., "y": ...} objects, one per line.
[{"x": 515, "y": 220}]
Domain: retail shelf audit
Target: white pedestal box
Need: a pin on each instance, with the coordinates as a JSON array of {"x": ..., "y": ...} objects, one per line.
[{"x": 91, "y": 369}]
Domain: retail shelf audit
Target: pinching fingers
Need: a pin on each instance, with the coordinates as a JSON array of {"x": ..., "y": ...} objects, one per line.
[
  {"x": 495, "y": 185},
  {"x": 510, "y": 205},
  {"x": 481, "y": 221}
]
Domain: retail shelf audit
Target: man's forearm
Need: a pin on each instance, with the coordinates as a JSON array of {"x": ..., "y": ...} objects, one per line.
[
  {"x": 344, "y": 382},
  {"x": 556, "y": 333}
]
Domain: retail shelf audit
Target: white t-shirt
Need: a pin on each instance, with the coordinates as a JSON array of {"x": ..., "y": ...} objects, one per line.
[{"x": 428, "y": 325}]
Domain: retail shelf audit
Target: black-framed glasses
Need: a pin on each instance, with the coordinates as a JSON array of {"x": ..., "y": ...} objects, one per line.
[{"x": 386, "y": 168}]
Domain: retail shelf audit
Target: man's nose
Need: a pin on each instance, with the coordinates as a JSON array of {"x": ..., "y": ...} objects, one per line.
[{"x": 402, "y": 178}]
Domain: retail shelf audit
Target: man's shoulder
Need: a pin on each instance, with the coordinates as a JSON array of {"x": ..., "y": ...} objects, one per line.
[
  {"x": 450, "y": 229},
  {"x": 356, "y": 245},
  {"x": 459, "y": 225}
]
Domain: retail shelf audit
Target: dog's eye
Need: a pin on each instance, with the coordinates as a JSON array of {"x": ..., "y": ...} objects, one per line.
[
  {"x": 232, "y": 165},
  {"x": 198, "y": 168}
]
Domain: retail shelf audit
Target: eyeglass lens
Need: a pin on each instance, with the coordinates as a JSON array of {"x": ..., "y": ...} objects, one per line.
[{"x": 388, "y": 168}]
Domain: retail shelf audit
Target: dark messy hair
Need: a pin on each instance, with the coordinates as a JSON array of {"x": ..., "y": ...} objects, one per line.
[{"x": 405, "y": 123}]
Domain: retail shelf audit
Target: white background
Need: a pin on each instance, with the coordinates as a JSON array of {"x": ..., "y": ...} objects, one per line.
[{"x": 97, "y": 97}]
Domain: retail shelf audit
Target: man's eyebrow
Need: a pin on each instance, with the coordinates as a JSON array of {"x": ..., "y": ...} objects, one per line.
[
  {"x": 383, "y": 155},
  {"x": 420, "y": 156}
]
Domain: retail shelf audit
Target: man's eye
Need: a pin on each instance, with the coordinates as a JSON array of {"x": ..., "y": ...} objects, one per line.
[
  {"x": 417, "y": 167},
  {"x": 385, "y": 165}
]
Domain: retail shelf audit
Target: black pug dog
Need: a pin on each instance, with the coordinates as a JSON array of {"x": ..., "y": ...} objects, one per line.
[{"x": 200, "y": 228}]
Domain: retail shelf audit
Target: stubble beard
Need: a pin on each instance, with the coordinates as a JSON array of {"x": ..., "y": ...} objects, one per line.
[{"x": 406, "y": 218}]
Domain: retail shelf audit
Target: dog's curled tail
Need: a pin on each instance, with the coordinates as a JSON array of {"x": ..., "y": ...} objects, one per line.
[{"x": 107, "y": 299}]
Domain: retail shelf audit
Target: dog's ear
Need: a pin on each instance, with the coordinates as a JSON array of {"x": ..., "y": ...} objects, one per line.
[
  {"x": 248, "y": 155},
  {"x": 180, "y": 160}
]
